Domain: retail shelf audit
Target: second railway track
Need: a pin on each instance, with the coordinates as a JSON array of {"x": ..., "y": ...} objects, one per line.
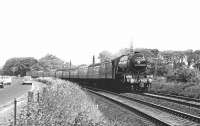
[
  {"x": 177, "y": 99},
  {"x": 185, "y": 106},
  {"x": 159, "y": 114}
]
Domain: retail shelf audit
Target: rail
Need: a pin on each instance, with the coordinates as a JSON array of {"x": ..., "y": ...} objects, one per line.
[{"x": 175, "y": 96}]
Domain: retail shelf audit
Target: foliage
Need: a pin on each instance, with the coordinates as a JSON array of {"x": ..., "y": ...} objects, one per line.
[
  {"x": 38, "y": 67},
  {"x": 182, "y": 75},
  {"x": 18, "y": 66},
  {"x": 121, "y": 52},
  {"x": 188, "y": 89},
  {"x": 1, "y": 71},
  {"x": 155, "y": 52},
  {"x": 105, "y": 56},
  {"x": 162, "y": 70},
  {"x": 51, "y": 62}
]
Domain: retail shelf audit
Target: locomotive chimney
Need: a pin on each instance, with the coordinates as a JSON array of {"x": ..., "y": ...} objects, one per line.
[
  {"x": 70, "y": 64},
  {"x": 93, "y": 60},
  {"x": 131, "y": 48}
]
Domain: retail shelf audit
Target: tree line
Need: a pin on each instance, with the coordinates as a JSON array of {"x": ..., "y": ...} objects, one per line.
[{"x": 19, "y": 66}]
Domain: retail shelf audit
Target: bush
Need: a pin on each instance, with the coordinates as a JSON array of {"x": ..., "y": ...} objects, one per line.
[
  {"x": 162, "y": 70},
  {"x": 189, "y": 89},
  {"x": 46, "y": 80},
  {"x": 192, "y": 91},
  {"x": 183, "y": 75}
]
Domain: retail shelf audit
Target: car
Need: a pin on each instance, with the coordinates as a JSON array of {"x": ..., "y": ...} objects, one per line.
[
  {"x": 7, "y": 81},
  {"x": 27, "y": 81},
  {"x": 1, "y": 85}
]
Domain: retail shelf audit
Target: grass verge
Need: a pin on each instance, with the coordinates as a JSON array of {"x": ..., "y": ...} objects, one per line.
[
  {"x": 62, "y": 103},
  {"x": 187, "y": 89}
]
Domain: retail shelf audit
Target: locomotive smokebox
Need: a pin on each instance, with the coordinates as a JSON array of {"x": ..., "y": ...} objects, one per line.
[{"x": 137, "y": 63}]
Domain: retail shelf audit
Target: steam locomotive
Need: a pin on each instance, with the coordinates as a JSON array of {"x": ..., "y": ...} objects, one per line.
[{"x": 127, "y": 72}]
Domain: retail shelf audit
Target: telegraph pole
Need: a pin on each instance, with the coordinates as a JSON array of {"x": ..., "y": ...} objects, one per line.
[
  {"x": 155, "y": 52},
  {"x": 70, "y": 66},
  {"x": 93, "y": 60},
  {"x": 63, "y": 68},
  {"x": 131, "y": 48},
  {"x": 156, "y": 67}
]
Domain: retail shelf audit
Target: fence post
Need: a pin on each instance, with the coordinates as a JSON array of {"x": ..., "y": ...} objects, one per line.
[
  {"x": 38, "y": 97},
  {"x": 30, "y": 97},
  {"x": 44, "y": 91},
  {"x": 30, "y": 100},
  {"x": 15, "y": 111}
]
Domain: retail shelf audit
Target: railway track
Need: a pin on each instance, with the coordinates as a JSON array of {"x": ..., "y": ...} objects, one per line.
[
  {"x": 175, "y": 96},
  {"x": 177, "y": 99},
  {"x": 158, "y": 114},
  {"x": 177, "y": 104}
]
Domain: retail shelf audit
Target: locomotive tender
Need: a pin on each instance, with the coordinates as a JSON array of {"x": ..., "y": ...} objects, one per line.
[{"x": 125, "y": 72}]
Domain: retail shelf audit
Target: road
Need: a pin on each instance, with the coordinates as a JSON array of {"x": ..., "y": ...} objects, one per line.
[
  {"x": 15, "y": 90},
  {"x": 9, "y": 93}
]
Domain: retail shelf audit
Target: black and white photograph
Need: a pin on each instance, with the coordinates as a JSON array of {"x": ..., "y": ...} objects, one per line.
[{"x": 99, "y": 63}]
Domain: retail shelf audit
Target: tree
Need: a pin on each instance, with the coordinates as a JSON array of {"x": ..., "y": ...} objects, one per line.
[
  {"x": 197, "y": 59},
  {"x": 18, "y": 66},
  {"x": 178, "y": 59},
  {"x": 37, "y": 67},
  {"x": 51, "y": 62},
  {"x": 155, "y": 55},
  {"x": 190, "y": 57},
  {"x": 121, "y": 52},
  {"x": 155, "y": 52},
  {"x": 105, "y": 56}
]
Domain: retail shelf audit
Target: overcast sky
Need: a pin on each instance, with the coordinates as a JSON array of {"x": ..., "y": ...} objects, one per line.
[{"x": 78, "y": 29}]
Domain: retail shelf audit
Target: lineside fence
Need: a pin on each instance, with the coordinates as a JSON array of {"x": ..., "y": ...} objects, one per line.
[{"x": 31, "y": 97}]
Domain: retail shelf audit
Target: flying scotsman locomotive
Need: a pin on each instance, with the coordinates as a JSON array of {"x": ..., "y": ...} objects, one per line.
[{"x": 127, "y": 72}]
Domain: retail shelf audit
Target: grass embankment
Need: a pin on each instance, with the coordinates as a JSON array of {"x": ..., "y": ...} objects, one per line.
[
  {"x": 63, "y": 104},
  {"x": 188, "y": 89}
]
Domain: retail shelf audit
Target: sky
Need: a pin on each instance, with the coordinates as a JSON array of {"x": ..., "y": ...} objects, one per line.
[{"x": 79, "y": 29}]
